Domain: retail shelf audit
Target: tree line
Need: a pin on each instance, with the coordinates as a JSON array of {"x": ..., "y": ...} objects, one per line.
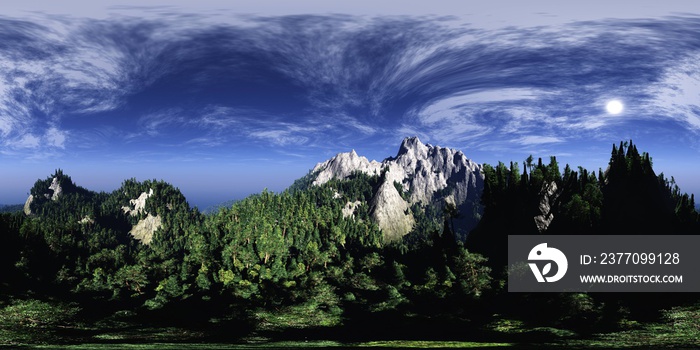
[
  {"x": 294, "y": 253},
  {"x": 290, "y": 252}
]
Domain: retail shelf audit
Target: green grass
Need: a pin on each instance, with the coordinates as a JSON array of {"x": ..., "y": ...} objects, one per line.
[
  {"x": 34, "y": 324},
  {"x": 422, "y": 344},
  {"x": 177, "y": 346},
  {"x": 282, "y": 345},
  {"x": 297, "y": 316},
  {"x": 679, "y": 328}
]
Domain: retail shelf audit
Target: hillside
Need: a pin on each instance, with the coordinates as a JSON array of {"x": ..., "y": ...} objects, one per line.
[
  {"x": 215, "y": 207},
  {"x": 80, "y": 265},
  {"x": 628, "y": 197}
]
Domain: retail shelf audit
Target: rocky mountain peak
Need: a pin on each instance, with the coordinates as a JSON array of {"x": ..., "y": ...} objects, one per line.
[
  {"x": 431, "y": 175},
  {"x": 413, "y": 147},
  {"x": 53, "y": 191},
  {"x": 343, "y": 165}
]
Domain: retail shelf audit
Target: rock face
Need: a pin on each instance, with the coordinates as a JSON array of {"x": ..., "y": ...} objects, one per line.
[
  {"x": 430, "y": 175},
  {"x": 27, "y": 205},
  {"x": 57, "y": 190},
  {"x": 343, "y": 165},
  {"x": 548, "y": 194},
  {"x": 144, "y": 229},
  {"x": 391, "y": 213},
  {"x": 86, "y": 220},
  {"x": 138, "y": 203},
  {"x": 349, "y": 208}
]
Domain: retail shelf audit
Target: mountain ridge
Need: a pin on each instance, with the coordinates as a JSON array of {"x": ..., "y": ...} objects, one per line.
[
  {"x": 429, "y": 175},
  {"x": 11, "y": 208}
]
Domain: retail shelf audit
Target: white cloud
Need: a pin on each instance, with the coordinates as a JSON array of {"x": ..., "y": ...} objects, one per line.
[
  {"x": 678, "y": 94},
  {"x": 457, "y": 105},
  {"x": 280, "y": 137},
  {"x": 523, "y": 118},
  {"x": 588, "y": 123},
  {"x": 364, "y": 128},
  {"x": 27, "y": 141},
  {"x": 153, "y": 124},
  {"x": 219, "y": 117},
  {"x": 457, "y": 118},
  {"x": 90, "y": 74},
  {"x": 6, "y": 125},
  {"x": 206, "y": 141},
  {"x": 538, "y": 140},
  {"x": 55, "y": 137}
]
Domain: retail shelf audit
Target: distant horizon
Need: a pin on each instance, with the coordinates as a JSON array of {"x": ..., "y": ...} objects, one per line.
[
  {"x": 223, "y": 100},
  {"x": 204, "y": 203}
]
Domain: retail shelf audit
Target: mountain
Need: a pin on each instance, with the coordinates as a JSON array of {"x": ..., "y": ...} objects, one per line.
[
  {"x": 420, "y": 177},
  {"x": 11, "y": 208},
  {"x": 313, "y": 257},
  {"x": 136, "y": 209},
  {"x": 58, "y": 192}
]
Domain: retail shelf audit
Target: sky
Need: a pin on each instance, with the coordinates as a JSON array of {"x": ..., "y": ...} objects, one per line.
[{"x": 224, "y": 99}]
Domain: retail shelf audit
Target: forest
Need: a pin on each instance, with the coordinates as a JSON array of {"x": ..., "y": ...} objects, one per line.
[{"x": 290, "y": 265}]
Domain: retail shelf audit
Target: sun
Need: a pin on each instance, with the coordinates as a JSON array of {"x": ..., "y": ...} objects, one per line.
[{"x": 614, "y": 107}]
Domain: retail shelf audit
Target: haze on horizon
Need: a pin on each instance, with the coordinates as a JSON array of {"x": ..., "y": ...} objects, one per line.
[{"x": 223, "y": 101}]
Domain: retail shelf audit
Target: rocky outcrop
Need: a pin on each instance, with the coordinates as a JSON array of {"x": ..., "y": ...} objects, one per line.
[
  {"x": 343, "y": 165},
  {"x": 391, "y": 213},
  {"x": 56, "y": 188},
  {"x": 144, "y": 229},
  {"x": 548, "y": 195},
  {"x": 349, "y": 209},
  {"x": 139, "y": 204},
  {"x": 54, "y": 192},
  {"x": 430, "y": 175},
  {"x": 86, "y": 220},
  {"x": 27, "y": 205}
]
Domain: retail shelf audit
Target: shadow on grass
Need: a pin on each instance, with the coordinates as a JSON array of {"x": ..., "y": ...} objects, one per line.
[{"x": 109, "y": 329}]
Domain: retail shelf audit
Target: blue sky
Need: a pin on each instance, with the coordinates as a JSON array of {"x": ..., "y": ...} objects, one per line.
[{"x": 223, "y": 99}]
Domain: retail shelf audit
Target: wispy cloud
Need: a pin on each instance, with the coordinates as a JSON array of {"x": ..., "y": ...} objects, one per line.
[
  {"x": 27, "y": 141},
  {"x": 53, "y": 69},
  {"x": 279, "y": 137},
  {"x": 309, "y": 80},
  {"x": 677, "y": 94},
  {"x": 56, "y": 137},
  {"x": 158, "y": 123},
  {"x": 515, "y": 84},
  {"x": 538, "y": 140}
]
